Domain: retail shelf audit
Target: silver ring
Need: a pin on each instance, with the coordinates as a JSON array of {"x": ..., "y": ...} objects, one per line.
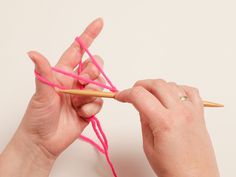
[{"x": 183, "y": 98}]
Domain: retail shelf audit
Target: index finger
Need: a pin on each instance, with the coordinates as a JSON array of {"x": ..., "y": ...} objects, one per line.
[
  {"x": 146, "y": 103},
  {"x": 72, "y": 56}
]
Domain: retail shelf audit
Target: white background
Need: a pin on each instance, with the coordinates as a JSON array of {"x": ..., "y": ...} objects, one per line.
[{"x": 189, "y": 42}]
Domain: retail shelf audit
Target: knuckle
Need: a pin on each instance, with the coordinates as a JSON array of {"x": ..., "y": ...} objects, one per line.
[
  {"x": 195, "y": 90},
  {"x": 138, "y": 83},
  {"x": 159, "y": 82},
  {"x": 172, "y": 83},
  {"x": 136, "y": 91},
  {"x": 191, "y": 89},
  {"x": 187, "y": 88},
  {"x": 99, "y": 59}
]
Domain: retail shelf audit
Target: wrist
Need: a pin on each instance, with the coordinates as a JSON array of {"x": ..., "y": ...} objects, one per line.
[{"x": 24, "y": 157}]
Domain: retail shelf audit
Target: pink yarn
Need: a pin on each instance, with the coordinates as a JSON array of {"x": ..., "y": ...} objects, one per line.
[
  {"x": 77, "y": 39},
  {"x": 72, "y": 75},
  {"x": 94, "y": 121}
]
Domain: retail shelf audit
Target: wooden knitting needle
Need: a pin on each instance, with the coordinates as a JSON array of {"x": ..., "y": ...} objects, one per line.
[
  {"x": 112, "y": 95},
  {"x": 89, "y": 93}
]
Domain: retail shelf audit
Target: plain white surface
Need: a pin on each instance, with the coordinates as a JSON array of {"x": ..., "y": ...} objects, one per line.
[{"x": 189, "y": 42}]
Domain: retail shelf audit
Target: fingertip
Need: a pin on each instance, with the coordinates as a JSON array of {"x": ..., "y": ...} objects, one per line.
[
  {"x": 43, "y": 74},
  {"x": 100, "y": 19},
  {"x": 93, "y": 29},
  {"x": 31, "y": 55},
  {"x": 99, "y": 22},
  {"x": 37, "y": 58}
]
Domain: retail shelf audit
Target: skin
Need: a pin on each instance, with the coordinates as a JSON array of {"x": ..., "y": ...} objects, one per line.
[{"x": 175, "y": 138}]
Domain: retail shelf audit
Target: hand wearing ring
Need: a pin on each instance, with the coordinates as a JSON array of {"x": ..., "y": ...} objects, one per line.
[{"x": 175, "y": 138}]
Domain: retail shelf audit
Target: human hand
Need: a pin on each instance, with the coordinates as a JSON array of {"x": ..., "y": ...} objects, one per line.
[
  {"x": 53, "y": 121},
  {"x": 175, "y": 138}
]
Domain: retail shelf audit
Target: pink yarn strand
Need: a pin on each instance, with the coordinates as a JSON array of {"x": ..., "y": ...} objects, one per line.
[
  {"x": 77, "y": 39},
  {"x": 72, "y": 75},
  {"x": 88, "y": 140},
  {"x": 101, "y": 131},
  {"x": 47, "y": 82},
  {"x": 94, "y": 124}
]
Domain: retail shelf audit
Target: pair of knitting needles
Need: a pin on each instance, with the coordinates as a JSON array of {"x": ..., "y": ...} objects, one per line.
[{"x": 112, "y": 95}]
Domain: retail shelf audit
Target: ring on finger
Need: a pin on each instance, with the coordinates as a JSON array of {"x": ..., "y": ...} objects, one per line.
[{"x": 183, "y": 98}]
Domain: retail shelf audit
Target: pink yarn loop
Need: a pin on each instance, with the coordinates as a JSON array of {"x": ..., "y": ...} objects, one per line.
[
  {"x": 77, "y": 39},
  {"x": 94, "y": 121}
]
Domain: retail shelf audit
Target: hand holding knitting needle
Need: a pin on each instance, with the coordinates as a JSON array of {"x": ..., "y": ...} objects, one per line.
[{"x": 175, "y": 138}]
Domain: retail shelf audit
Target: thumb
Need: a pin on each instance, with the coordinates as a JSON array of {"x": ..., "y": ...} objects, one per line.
[{"x": 43, "y": 68}]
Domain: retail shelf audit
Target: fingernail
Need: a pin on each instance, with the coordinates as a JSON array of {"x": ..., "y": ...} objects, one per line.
[{"x": 86, "y": 76}]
